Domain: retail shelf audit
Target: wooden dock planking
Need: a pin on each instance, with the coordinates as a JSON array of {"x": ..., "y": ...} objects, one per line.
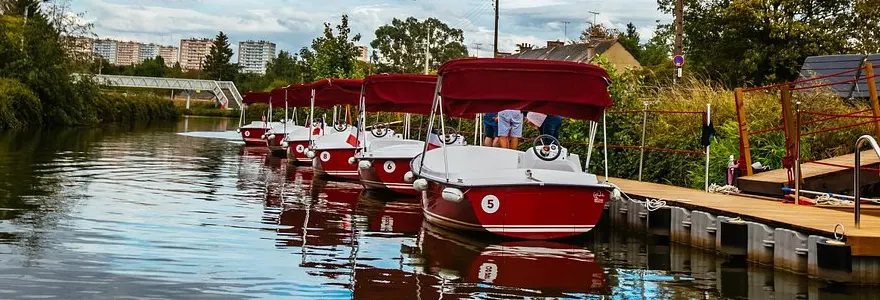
[
  {"x": 864, "y": 241},
  {"x": 816, "y": 177}
]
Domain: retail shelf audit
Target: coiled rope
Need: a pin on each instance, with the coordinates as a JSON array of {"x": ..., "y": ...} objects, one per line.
[{"x": 650, "y": 204}]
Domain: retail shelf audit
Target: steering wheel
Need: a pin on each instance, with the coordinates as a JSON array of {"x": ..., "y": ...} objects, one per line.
[
  {"x": 379, "y": 131},
  {"x": 451, "y": 138},
  {"x": 547, "y": 151},
  {"x": 340, "y": 126}
]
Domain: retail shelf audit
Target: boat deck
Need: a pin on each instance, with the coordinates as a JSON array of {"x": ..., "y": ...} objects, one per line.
[
  {"x": 816, "y": 220},
  {"x": 817, "y": 177}
]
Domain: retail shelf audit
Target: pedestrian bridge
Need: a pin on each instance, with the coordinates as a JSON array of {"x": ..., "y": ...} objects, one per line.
[{"x": 224, "y": 91}]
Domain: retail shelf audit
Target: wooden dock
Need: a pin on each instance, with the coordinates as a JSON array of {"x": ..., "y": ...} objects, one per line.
[
  {"x": 817, "y": 177},
  {"x": 807, "y": 219}
]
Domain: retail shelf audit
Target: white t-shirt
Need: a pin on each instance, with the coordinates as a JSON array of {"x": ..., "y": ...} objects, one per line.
[{"x": 536, "y": 118}]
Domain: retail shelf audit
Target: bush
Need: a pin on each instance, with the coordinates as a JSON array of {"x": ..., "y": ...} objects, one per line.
[
  {"x": 133, "y": 108},
  {"x": 19, "y": 107}
]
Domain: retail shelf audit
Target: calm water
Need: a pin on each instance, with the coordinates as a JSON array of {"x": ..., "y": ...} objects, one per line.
[{"x": 136, "y": 213}]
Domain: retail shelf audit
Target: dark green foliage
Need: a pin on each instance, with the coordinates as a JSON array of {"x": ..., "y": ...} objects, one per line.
[
  {"x": 19, "y": 107},
  {"x": 217, "y": 63},
  {"x": 111, "y": 108},
  {"x": 37, "y": 84},
  {"x": 332, "y": 55},
  {"x": 759, "y": 42},
  {"x": 400, "y": 46}
]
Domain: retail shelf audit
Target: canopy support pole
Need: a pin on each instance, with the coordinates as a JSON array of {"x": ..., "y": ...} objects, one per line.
[
  {"x": 286, "y": 117},
  {"x": 442, "y": 141},
  {"x": 335, "y": 115},
  {"x": 594, "y": 126},
  {"x": 311, "y": 117},
  {"x": 605, "y": 142},
  {"x": 430, "y": 124}
]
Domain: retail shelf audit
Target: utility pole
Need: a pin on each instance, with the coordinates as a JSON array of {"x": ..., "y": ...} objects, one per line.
[
  {"x": 679, "y": 25},
  {"x": 495, "y": 53},
  {"x": 427, "y": 51},
  {"x": 592, "y": 29},
  {"x": 478, "y": 46},
  {"x": 679, "y": 35},
  {"x": 565, "y": 29}
]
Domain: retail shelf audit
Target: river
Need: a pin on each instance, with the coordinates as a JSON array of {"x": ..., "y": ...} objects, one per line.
[{"x": 144, "y": 212}]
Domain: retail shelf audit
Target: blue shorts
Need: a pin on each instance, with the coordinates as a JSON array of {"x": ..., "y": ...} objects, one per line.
[
  {"x": 510, "y": 123},
  {"x": 490, "y": 131}
]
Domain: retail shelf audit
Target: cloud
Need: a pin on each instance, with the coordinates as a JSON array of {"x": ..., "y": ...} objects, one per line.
[{"x": 292, "y": 24}]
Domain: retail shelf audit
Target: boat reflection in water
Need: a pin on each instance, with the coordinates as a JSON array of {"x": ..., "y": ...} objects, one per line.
[{"x": 474, "y": 264}]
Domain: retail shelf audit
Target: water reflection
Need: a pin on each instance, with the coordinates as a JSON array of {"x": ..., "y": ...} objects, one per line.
[{"x": 116, "y": 212}]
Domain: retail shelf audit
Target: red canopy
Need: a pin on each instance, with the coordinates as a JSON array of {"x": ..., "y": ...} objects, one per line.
[
  {"x": 278, "y": 96},
  {"x": 299, "y": 95},
  {"x": 482, "y": 85},
  {"x": 255, "y": 97},
  {"x": 329, "y": 92},
  {"x": 400, "y": 92}
]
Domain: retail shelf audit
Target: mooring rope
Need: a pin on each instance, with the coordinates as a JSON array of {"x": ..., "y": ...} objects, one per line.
[
  {"x": 651, "y": 204},
  {"x": 727, "y": 189}
]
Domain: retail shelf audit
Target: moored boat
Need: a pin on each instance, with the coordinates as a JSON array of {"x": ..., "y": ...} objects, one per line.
[
  {"x": 254, "y": 133},
  {"x": 542, "y": 193},
  {"x": 384, "y": 163},
  {"x": 333, "y": 153}
]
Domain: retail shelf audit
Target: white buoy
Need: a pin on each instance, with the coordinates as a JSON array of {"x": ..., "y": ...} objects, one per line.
[
  {"x": 409, "y": 177},
  {"x": 351, "y": 161},
  {"x": 365, "y": 164},
  {"x": 452, "y": 194},
  {"x": 420, "y": 185}
]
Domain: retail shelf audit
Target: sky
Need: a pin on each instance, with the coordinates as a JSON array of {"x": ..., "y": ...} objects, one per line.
[{"x": 292, "y": 24}]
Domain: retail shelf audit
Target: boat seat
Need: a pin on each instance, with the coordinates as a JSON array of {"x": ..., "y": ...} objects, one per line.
[{"x": 565, "y": 162}]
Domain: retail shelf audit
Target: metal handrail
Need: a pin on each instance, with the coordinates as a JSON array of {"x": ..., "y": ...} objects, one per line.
[{"x": 857, "y": 169}]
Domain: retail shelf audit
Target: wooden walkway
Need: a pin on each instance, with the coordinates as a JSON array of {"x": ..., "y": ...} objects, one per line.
[
  {"x": 817, "y": 177},
  {"x": 809, "y": 220}
]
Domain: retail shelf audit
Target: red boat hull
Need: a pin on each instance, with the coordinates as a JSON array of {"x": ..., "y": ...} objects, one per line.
[
  {"x": 528, "y": 212},
  {"x": 296, "y": 150},
  {"x": 276, "y": 143},
  {"x": 334, "y": 163},
  {"x": 387, "y": 174},
  {"x": 253, "y": 136}
]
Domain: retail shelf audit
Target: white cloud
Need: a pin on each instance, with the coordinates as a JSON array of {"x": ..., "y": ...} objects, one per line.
[{"x": 293, "y": 23}]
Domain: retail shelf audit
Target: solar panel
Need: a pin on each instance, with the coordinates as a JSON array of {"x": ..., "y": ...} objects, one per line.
[{"x": 815, "y": 66}]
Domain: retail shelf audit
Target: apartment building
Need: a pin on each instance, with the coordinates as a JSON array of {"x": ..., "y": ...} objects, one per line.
[
  {"x": 193, "y": 52},
  {"x": 253, "y": 56},
  {"x": 127, "y": 53},
  {"x": 363, "y": 53},
  {"x": 169, "y": 54},
  {"x": 147, "y": 51},
  {"x": 80, "y": 47},
  {"x": 106, "y": 49}
]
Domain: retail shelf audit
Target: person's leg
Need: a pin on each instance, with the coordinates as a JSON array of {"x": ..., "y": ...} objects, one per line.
[
  {"x": 491, "y": 132},
  {"x": 496, "y": 142},
  {"x": 516, "y": 130},
  {"x": 504, "y": 128}
]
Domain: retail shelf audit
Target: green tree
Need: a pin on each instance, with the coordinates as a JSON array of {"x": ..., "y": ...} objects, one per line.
[
  {"x": 332, "y": 55},
  {"x": 217, "y": 64},
  {"x": 867, "y": 38},
  {"x": 18, "y": 7},
  {"x": 630, "y": 40},
  {"x": 283, "y": 67},
  {"x": 401, "y": 45},
  {"x": 759, "y": 42},
  {"x": 598, "y": 31}
]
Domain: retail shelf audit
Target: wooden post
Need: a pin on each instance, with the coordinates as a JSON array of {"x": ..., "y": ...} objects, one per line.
[
  {"x": 872, "y": 94},
  {"x": 744, "y": 152},
  {"x": 788, "y": 121}
]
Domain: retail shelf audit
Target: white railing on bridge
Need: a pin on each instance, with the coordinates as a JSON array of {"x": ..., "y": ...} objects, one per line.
[{"x": 215, "y": 87}]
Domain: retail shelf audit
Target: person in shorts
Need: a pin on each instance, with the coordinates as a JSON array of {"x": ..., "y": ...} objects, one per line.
[
  {"x": 490, "y": 129},
  {"x": 510, "y": 128},
  {"x": 552, "y": 126}
]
